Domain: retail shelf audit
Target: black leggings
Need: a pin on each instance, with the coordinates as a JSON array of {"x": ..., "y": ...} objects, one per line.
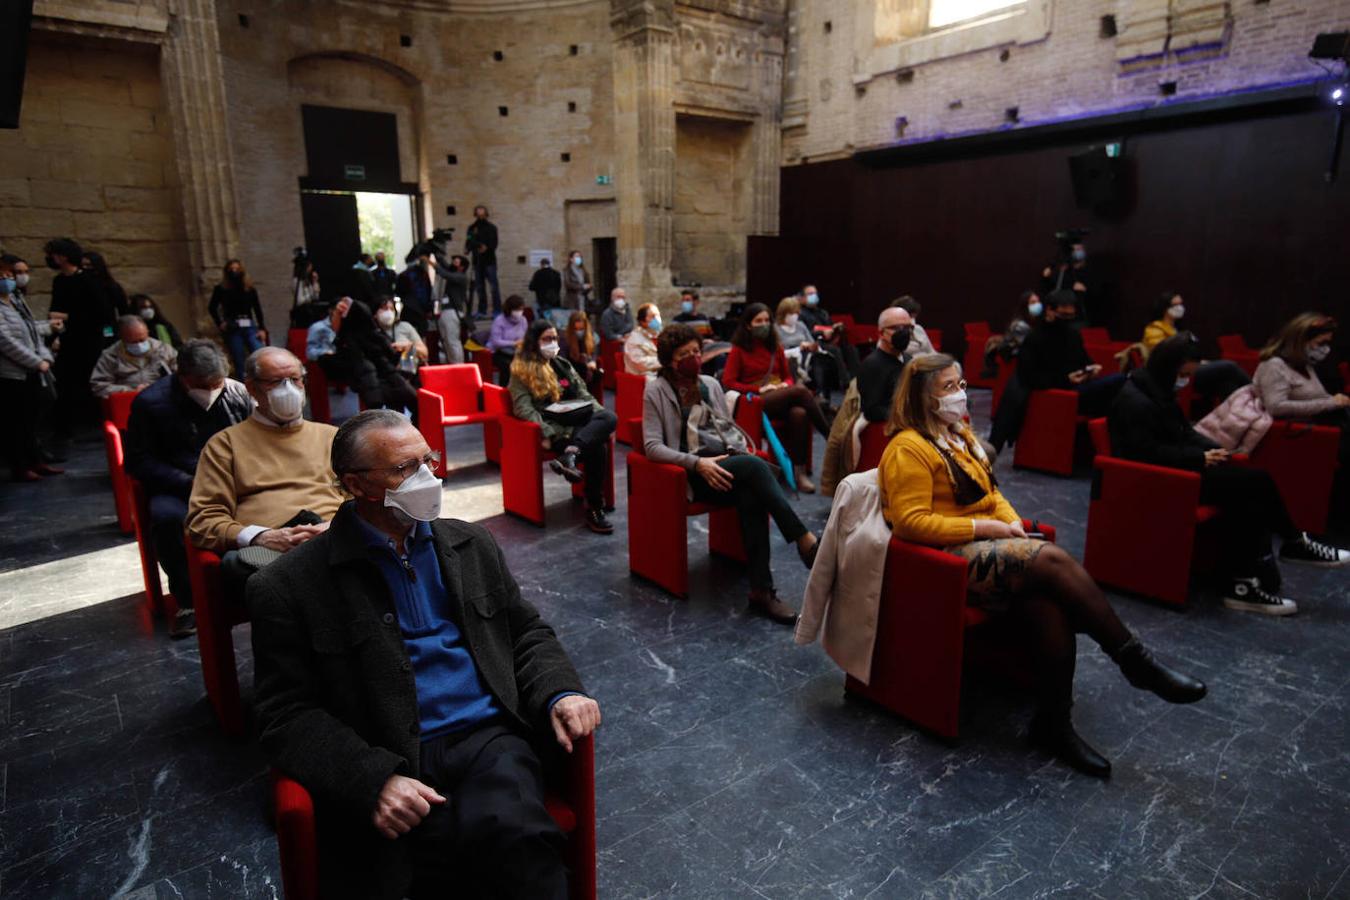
[
  {"x": 796, "y": 408},
  {"x": 755, "y": 493},
  {"x": 591, "y": 442},
  {"x": 19, "y": 399},
  {"x": 1253, "y": 510}
]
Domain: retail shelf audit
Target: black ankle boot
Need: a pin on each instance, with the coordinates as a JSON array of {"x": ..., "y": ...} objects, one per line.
[
  {"x": 1052, "y": 733},
  {"x": 1146, "y": 673},
  {"x": 566, "y": 466}
]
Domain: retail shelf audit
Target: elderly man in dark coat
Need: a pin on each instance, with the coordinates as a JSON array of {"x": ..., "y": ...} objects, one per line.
[{"x": 401, "y": 678}]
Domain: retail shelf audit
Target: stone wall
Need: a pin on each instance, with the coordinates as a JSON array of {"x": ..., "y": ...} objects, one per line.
[
  {"x": 711, "y": 201},
  {"x": 93, "y": 159},
  {"x": 849, "y": 86}
]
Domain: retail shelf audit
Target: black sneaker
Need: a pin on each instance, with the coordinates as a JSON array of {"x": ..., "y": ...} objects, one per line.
[
  {"x": 1308, "y": 552},
  {"x": 596, "y": 521},
  {"x": 566, "y": 466},
  {"x": 184, "y": 624},
  {"x": 1247, "y": 595}
]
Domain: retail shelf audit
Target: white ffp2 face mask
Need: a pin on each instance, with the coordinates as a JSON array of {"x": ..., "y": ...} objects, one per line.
[
  {"x": 548, "y": 351},
  {"x": 419, "y": 496},
  {"x": 205, "y": 397},
  {"x": 286, "y": 402},
  {"x": 1317, "y": 355},
  {"x": 952, "y": 407}
]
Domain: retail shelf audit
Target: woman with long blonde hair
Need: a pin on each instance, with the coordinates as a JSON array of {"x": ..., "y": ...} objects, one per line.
[
  {"x": 547, "y": 390},
  {"x": 938, "y": 488}
]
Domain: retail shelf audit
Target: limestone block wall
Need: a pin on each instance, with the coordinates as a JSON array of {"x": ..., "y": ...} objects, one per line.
[
  {"x": 93, "y": 159},
  {"x": 840, "y": 99},
  {"x": 447, "y": 88}
]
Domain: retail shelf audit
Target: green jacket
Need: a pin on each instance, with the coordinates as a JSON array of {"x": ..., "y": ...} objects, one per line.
[{"x": 525, "y": 405}]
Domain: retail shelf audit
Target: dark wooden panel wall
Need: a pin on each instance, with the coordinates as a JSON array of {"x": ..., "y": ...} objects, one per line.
[{"x": 1235, "y": 215}]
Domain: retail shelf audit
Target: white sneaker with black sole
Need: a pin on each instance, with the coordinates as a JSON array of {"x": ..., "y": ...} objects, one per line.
[
  {"x": 1309, "y": 552},
  {"x": 1247, "y": 595}
]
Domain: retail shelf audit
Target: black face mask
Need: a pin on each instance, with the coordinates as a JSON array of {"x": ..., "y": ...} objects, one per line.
[
  {"x": 51, "y": 263},
  {"x": 900, "y": 338},
  {"x": 235, "y": 276}
]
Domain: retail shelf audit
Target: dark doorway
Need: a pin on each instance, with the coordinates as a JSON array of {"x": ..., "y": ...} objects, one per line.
[
  {"x": 605, "y": 271},
  {"x": 332, "y": 237}
]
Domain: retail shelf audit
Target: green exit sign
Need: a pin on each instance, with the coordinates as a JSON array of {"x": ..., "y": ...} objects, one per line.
[{"x": 602, "y": 179}]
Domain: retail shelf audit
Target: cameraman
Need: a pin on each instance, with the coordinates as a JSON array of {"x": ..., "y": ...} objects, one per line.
[{"x": 481, "y": 244}]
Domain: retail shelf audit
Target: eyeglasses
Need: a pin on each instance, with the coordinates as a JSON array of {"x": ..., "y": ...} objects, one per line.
[
  {"x": 952, "y": 386},
  {"x": 405, "y": 470},
  {"x": 269, "y": 384}
]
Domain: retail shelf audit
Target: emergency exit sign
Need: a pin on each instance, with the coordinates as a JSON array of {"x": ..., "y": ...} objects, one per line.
[
  {"x": 602, "y": 179},
  {"x": 353, "y": 172}
]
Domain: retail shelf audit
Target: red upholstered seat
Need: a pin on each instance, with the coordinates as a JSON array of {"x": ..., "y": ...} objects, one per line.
[
  {"x": 216, "y": 616},
  {"x": 628, "y": 393},
  {"x": 1049, "y": 430},
  {"x": 155, "y": 597},
  {"x": 872, "y": 443},
  {"x": 116, "y": 413},
  {"x": 935, "y": 338},
  {"x": 569, "y": 798},
  {"x": 977, "y": 334},
  {"x": 1302, "y": 459},
  {"x": 522, "y": 461},
  {"x": 611, "y": 361},
  {"x": 1234, "y": 347},
  {"x": 456, "y": 395}
]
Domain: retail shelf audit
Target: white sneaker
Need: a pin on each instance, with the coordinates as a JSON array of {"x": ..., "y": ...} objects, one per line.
[
  {"x": 1247, "y": 595},
  {"x": 1309, "y": 552}
]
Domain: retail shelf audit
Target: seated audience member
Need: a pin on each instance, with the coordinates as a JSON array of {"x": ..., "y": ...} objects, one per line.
[
  {"x": 1053, "y": 356},
  {"x": 757, "y": 365},
  {"x": 582, "y": 350},
  {"x": 546, "y": 285},
  {"x": 722, "y": 470},
  {"x": 372, "y": 362},
  {"x": 1008, "y": 345},
  {"x": 321, "y": 340},
  {"x": 920, "y": 343},
  {"x": 1214, "y": 379},
  {"x": 421, "y": 744},
  {"x": 690, "y": 314},
  {"x": 170, "y": 423},
  {"x": 1289, "y": 385},
  {"x": 938, "y": 489},
  {"x": 831, "y": 335},
  {"x": 617, "y": 319},
  {"x": 794, "y": 337},
  {"x": 161, "y": 328},
  {"x": 134, "y": 361},
  {"x": 25, "y": 375},
  {"x": 639, "y": 348},
  {"x": 508, "y": 329},
  {"x": 541, "y": 380},
  {"x": 880, "y": 371},
  {"x": 1148, "y": 426},
  {"x": 266, "y": 481},
  {"x": 403, "y": 339}
]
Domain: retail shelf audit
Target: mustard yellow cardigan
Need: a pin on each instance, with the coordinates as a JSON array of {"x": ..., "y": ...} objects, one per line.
[
  {"x": 916, "y": 493},
  {"x": 1157, "y": 332}
]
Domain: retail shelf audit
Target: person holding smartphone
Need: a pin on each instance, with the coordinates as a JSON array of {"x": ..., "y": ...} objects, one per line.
[{"x": 1053, "y": 356}]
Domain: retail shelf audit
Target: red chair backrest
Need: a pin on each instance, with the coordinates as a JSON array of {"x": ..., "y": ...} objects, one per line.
[
  {"x": 977, "y": 331},
  {"x": 1232, "y": 343},
  {"x": 845, "y": 319},
  {"x": 1095, "y": 335},
  {"x": 1101, "y": 437},
  {"x": 483, "y": 360},
  {"x": 117, "y": 408},
  {"x": 635, "y": 439},
  {"x": 935, "y": 337},
  {"x": 629, "y": 391},
  {"x": 871, "y": 445},
  {"x": 460, "y": 386},
  {"x": 296, "y": 339}
]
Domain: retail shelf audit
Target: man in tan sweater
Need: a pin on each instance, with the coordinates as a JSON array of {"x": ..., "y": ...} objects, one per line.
[{"x": 267, "y": 481}]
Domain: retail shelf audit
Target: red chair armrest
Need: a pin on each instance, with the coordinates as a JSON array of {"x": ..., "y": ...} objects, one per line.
[
  {"x": 297, "y": 838},
  {"x": 430, "y": 406},
  {"x": 496, "y": 400},
  {"x": 636, "y": 439},
  {"x": 1166, "y": 494}
]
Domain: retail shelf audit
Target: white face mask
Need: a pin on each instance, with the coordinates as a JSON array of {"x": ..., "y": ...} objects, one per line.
[
  {"x": 790, "y": 321},
  {"x": 1176, "y": 312},
  {"x": 1181, "y": 382},
  {"x": 385, "y": 317},
  {"x": 517, "y": 315},
  {"x": 286, "y": 402},
  {"x": 21, "y": 279},
  {"x": 138, "y": 348},
  {"x": 548, "y": 351},
  {"x": 952, "y": 408},
  {"x": 419, "y": 496},
  {"x": 1318, "y": 354},
  {"x": 148, "y": 312},
  {"x": 205, "y": 397},
  {"x": 620, "y": 304}
]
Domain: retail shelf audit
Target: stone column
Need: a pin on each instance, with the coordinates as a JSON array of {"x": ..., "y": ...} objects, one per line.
[
  {"x": 194, "y": 88},
  {"x": 644, "y": 140},
  {"x": 767, "y": 148}
]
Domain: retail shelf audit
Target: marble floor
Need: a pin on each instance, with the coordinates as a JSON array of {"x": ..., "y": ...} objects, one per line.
[{"x": 729, "y": 763}]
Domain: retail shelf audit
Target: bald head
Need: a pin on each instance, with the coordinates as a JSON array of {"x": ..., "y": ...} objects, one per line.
[{"x": 895, "y": 325}]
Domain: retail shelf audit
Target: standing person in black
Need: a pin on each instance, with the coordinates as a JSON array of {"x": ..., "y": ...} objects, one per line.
[
  {"x": 546, "y": 285},
  {"x": 96, "y": 267},
  {"x": 88, "y": 324},
  {"x": 235, "y": 309},
  {"x": 383, "y": 277},
  {"x": 880, "y": 371},
  {"x": 1148, "y": 426},
  {"x": 414, "y": 288},
  {"x": 1053, "y": 357},
  {"x": 481, "y": 245}
]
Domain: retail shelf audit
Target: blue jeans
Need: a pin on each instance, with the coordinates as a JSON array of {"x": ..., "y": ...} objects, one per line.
[
  {"x": 482, "y": 275},
  {"x": 241, "y": 342}
]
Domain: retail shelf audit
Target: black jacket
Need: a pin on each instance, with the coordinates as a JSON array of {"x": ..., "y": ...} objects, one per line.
[
  {"x": 168, "y": 429},
  {"x": 335, "y": 700},
  {"x": 878, "y": 377},
  {"x": 232, "y": 302},
  {"x": 546, "y": 285},
  {"x": 482, "y": 232},
  {"x": 1049, "y": 354},
  {"x": 1147, "y": 426}
]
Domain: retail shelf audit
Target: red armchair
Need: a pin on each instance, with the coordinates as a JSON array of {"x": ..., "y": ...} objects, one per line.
[
  {"x": 658, "y": 506},
  {"x": 523, "y": 458},
  {"x": 216, "y": 615},
  {"x": 570, "y": 801},
  {"x": 116, "y": 412},
  {"x": 750, "y": 416},
  {"x": 158, "y": 601},
  {"x": 977, "y": 335},
  {"x": 628, "y": 394},
  {"x": 871, "y": 444},
  {"x": 1049, "y": 431},
  {"x": 457, "y": 395},
  {"x": 1303, "y": 460},
  {"x": 1104, "y": 353},
  {"x": 611, "y": 361},
  {"x": 924, "y": 631},
  {"x": 1142, "y": 523},
  {"x": 483, "y": 360},
  {"x": 1234, "y": 347},
  {"x": 935, "y": 338},
  {"x": 1006, "y": 370}
]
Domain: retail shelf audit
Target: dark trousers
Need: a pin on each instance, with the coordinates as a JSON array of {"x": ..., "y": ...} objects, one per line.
[
  {"x": 484, "y": 275},
  {"x": 795, "y": 410},
  {"x": 241, "y": 342},
  {"x": 19, "y": 400},
  {"x": 501, "y": 364},
  {"x": 1216, "y": 379},
  {"x": 756, "y": 495},
  {"x": 167, "y": 513},
  {"x": 493, "y": 837},
  {"x": 75, "y": 401},
  {"x": 592, "y": 442},
  {"x": 1095, "y": 396},
  {"x": 1252, "y": 511}
]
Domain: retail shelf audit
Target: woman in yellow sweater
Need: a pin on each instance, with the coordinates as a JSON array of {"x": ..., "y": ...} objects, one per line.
[
  {"x": 1167, "y": 312},
  {"x": 938, "y": 488}
]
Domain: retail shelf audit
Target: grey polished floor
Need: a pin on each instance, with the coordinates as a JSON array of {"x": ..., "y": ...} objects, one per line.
[{"x": 730, "y": 763}]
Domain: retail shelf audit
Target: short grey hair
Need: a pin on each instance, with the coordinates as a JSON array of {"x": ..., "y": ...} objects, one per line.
[
  {"x": 201, "y": 358},
  {"x": 126, "y": 322},
  {"x": 254, "y": 361},
  {"x": 347, "y": 454}
]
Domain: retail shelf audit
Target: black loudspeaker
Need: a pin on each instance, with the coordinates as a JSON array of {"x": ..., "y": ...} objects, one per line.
[
  {"x": 16, "y": 19},
  {"x": 1331, "y": 45},
  {"x": 1097, "y": 178}
]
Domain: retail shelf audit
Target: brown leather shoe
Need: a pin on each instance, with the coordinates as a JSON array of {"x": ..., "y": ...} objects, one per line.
[
  {"x": 808, "y": 557},
  {"x": 767, "y": 604}
]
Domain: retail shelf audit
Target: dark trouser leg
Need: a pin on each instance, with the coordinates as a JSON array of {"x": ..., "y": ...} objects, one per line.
[
  {"x": 1252, "y": 511},
  {"x": 1095, "y": 396},
  {"x": 365, "y": 380},
  {"x": 797, "y": 407},
  {"x": 754, "y": 492},
  {"x": 399, "y": 394},
  {"x": 1216, "y": 379},
  {"x": 493, "y": 837},
  {"x": 496, "y": 290},
  {"x": 1050, "y": 636},
  {"x": 235, "y": 574},
  {"x": 167, "y": 513},
  {"x": 592, "y": 442},
  {"x": 18, "y": 397},
  {"x": 501, "y": 364}
]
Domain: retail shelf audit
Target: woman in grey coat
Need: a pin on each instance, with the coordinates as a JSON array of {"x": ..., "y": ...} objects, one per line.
[{"x": 25, "y": 366}]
